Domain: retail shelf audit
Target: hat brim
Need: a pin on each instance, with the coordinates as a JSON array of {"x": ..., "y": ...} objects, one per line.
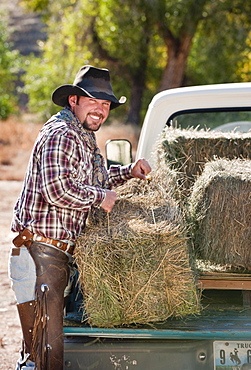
[{"x": 60, "y": 95}]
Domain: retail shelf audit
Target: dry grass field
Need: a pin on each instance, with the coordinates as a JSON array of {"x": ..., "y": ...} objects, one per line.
[
  {"x": 16, "y": 139},
  {"x": 17, "y": 136},
  {"x": 10, "y": 331}
]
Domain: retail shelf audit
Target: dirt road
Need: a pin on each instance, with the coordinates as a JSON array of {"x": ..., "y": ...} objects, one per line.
[{"x": 10, "y": 331}]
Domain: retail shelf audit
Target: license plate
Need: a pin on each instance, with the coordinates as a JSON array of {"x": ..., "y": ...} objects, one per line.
[{"x": 232, "y": 355}]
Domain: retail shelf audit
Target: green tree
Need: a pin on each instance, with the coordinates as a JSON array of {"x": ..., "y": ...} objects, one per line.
[
  {"x": 177, "y": 23},
  {"x": 9, "y": 67},
  {"x": 221, "y": 46},
  {"x": 114, "y": 34},
  {"x": 124, "y": 33},
  {"x": 207, "y": 35},
  {"x": 145, "y": 43},
  {"x": 94, "y": 32},
  {"x": 61, "y": 55}
]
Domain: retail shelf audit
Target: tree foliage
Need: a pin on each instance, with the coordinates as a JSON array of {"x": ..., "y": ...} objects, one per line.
[
  {"x": 99, "y": 33},
  {"x": 148, "y": 45},
  {"x": 9, "y": 67},
  {"x": 221, "y": 46}
]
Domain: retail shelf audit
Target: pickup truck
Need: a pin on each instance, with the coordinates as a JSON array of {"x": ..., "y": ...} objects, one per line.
[{"x": 218, "y": 338}]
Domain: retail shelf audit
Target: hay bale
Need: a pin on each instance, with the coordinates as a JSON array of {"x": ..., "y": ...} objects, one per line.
[
  {"x": 134, "y": 264},
  {"x": 187, "y": 151},
  {"x": 220, "y": 211}
]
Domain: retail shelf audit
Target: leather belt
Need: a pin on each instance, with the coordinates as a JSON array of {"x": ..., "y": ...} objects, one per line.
[{"x": 26, "y": 237}]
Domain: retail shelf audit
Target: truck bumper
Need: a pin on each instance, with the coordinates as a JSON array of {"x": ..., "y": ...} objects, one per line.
[{"x": 143, "y": 354}]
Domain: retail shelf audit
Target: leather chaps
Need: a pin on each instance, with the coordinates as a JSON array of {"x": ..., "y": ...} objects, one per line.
[
  {"x": 26, "y": 313},
  {"x": 52, "y": 272}
]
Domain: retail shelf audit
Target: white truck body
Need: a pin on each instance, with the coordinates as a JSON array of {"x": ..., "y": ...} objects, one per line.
[{"x": 167, "y": 103}]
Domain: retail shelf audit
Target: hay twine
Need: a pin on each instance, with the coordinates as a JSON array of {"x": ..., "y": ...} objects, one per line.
[{"x": 134, "y": 264}]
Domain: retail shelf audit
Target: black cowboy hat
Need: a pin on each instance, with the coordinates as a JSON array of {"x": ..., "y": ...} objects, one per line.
[{"x": 90, "y": 82}]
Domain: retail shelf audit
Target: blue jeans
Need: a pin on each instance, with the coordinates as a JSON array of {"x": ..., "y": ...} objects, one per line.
[{"x": 22, "y": 273}]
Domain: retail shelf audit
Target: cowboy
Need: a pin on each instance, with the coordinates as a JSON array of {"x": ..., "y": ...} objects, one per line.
[{"x": 66, "y": 177}]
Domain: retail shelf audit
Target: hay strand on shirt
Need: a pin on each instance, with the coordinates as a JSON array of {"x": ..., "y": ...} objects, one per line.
[
  {"x": 220, "y": 211},
  {"x": 139, "y": 272}
]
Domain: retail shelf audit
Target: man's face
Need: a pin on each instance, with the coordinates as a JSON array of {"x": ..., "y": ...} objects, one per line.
[{"x": 91, "y": 112}]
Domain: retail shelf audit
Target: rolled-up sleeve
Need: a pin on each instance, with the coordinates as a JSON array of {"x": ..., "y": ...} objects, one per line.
[{"x": 119, "y": 174}]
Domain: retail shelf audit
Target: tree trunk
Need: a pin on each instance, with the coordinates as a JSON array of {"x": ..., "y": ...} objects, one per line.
[
  {"x": 138, "y": 84},
  {"x": 174, "y": 72},
  {"x": 178, "y": 47},
  {"x": 138, "y": 87}
]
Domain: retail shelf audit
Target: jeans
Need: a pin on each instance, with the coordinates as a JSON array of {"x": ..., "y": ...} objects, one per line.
[{"x": 22, "y": 273}]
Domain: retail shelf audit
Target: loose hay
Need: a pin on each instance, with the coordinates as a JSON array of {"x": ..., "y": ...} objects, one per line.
[
  {"x": 134, "y": 264},
  {"x": 187, "y": 151},
  {"x": 220, "y": 210}
]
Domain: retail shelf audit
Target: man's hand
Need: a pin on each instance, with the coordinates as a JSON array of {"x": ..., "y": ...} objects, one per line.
[
  {"x": 109, "y": 201},
  {"x": 140, "y": 169}
]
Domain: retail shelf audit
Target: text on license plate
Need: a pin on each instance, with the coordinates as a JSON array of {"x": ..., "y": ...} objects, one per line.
[{"x": 233, "y": 355}]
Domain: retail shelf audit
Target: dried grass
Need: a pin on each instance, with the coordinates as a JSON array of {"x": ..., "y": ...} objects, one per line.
[
  {"x": 16, "y": 140},
  {"x": 134, "y": 263},
  {"x": 220, "y": 211},
  {"x": 18, "y": 134},
  {"x": 187, "y": 151}
]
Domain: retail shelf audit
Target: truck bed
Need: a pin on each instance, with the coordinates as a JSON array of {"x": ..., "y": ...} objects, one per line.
[
  {"x": 223, "y": 315},
  {"x": 185, "y": 343}
]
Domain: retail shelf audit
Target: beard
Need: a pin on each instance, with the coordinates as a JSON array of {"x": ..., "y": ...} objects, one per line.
[
  {"x": 87, "y": 127},
  {"x": 91, "y": 127}
]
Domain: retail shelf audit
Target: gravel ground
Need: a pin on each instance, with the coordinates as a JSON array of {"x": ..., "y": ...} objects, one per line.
[{"x": 10, "y": 331}]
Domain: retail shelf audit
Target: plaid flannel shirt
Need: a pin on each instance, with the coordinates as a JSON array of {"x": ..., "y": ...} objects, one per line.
[{"x": 57, "y": 193}]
